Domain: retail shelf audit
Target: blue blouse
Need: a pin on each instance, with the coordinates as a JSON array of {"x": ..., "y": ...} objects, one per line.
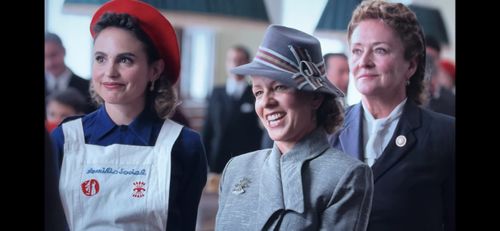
[{"x": 189, "y": 163}]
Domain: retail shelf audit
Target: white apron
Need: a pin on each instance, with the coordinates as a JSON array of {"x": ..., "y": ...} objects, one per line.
[{"x": 116, "y": 187}]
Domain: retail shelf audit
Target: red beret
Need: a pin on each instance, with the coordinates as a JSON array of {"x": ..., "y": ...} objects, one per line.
[
  {"x": 156, "y": 26},
  {"x": 448, "y": 67}
]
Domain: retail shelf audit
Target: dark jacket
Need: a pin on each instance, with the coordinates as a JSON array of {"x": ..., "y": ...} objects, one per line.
[
  {"x": 415, "y": 183},
  {"x": 445, "y": 103},
  {"x": 231, "y": 127},
  {"x": 82, "y": 85}
]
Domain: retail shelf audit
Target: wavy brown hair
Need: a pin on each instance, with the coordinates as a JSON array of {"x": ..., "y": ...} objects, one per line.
[
  {"x": 404, "y": 22},
  {"x": 330, "y": 114}
]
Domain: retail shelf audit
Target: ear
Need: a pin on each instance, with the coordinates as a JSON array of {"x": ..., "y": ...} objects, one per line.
[
  {"x": 157, "y": 68},
  {"x": 412, "y": 68},
  {"x": 317, "y": 100}
]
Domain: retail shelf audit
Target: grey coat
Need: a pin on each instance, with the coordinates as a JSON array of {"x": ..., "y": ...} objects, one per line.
[{"x": 312, "y": 187}]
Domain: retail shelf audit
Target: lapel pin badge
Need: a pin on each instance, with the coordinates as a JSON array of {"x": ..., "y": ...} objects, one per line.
[
  {"x": 239, "y": 188},
  {"x": 401, "y": 141}
]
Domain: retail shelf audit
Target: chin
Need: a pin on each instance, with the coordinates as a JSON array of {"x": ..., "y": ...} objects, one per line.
[{"x": 276, "y": 135}]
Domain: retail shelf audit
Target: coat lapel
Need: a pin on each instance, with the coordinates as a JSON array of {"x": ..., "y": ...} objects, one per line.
[
  {"x": 281, "y": 179},
  {"x": 409, "y": 121},
  {"x": 270, "y": 197},
  {"x": 352, "y": 132}
]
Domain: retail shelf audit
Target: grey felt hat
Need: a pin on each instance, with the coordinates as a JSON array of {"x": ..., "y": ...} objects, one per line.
[{"x": 291, "y": 57}]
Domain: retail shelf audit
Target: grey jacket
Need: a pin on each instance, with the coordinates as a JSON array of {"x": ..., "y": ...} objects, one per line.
[{"x": 312, "y": 187}]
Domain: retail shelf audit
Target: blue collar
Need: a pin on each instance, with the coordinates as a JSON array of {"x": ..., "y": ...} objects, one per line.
[{"x": 140, "y": 126}]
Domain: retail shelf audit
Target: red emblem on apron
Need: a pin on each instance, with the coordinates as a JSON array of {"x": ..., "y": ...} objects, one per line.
[
  {"x": 139, "y": 189},
  {"x": 90, "y": 187}
]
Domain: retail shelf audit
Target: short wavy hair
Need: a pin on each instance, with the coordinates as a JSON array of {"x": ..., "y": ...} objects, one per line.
[
  {"x": 404, "y": 22},
  {"x": 330, "y": 114}
]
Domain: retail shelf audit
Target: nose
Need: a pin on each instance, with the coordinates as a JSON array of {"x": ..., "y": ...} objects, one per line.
[
  {"x": 268, "y": 99},
  {"x": 366, "y": 59},
  {"x": 110, "y": 70}
]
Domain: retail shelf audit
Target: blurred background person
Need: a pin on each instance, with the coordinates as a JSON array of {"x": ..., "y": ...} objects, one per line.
[
  {"x": 439, "y": 99},
  {"x": 411, "y": 150},
  {"x": 446, "y": 74},
  {"x": 433, "y": 47},
  {"x": 58, "y": 77},
  {"x": 231, "y": 126},
  {"x": 337, "y": 71},
  {"x": 63, "y": 104}
]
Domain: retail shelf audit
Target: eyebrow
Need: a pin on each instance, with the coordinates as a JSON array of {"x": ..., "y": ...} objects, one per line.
[
  {"x": 374, "y": 44},
  {"x": 126, "y": 54}
]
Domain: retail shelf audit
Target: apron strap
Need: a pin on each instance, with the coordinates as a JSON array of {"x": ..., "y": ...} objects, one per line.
[
  {"x": 73, "y": 134},
  {"x": 169, "y": 132},
  {"x": 168, "y": 135}
]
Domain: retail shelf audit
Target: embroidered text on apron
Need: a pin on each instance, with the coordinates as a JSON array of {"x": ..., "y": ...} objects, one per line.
[{"x": 116, "y": 187}]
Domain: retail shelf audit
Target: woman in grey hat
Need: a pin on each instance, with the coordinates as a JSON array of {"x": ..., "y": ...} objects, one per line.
[{"x": 301, "y": 183}]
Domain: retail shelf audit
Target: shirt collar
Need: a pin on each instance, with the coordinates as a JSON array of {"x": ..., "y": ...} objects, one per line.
[
  {"x": 235, "y": 88},
  {"x": 395, "y": 113},
  {"x": 61, "y": 80},
  {"x": 141, "y": 126}
]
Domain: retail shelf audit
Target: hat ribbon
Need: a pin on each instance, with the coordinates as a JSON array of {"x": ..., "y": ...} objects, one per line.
[{"x": 303, "y": 70}]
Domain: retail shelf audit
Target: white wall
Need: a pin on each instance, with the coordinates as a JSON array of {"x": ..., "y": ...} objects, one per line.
[{"x": 75, "y": 35}]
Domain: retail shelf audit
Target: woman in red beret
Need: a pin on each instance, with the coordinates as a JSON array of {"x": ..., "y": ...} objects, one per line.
[{"x": 127, "y": 166}]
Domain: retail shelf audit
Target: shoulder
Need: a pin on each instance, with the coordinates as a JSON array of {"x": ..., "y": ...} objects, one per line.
[
  {"x": 352, "y": 111},
  {"x": 188, "y": 145},
  {"x": 244, "y": 165},
  {"x": 218, "y": 90},
  {"x": 189, "y": 137},
  {"x": 248, "y": 161},
  {"x": 79, "y": 78},
  {"x": 255, "y": 156},
  {"x": 335, "y": 160},
  {"x": 340, "y": 167},
  {"x": 57, "y": 135},
  {"x": 437, "y": 120}
]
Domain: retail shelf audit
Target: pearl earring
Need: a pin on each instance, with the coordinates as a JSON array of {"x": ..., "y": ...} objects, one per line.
[{"x": 152, "y": 87}]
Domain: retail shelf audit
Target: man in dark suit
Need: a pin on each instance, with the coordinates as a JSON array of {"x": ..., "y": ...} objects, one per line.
[
  {"x": 231, "y": 125},
  {"x": 58, "y": 76}
]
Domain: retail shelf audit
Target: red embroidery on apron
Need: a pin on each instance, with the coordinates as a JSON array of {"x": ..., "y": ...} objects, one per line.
[
  {"x": 90, "y": 187},
  {"x": 139, "y": 189}
]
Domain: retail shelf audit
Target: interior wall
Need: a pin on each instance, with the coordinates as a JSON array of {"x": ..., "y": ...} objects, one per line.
[{"x": 225, "y": 39}]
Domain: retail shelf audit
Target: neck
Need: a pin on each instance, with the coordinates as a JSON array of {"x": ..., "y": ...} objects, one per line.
[
  {"x": 286, "y": 146},
  {"x": 124, "y": 114},
  {"x": 381, "y": 107}
]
